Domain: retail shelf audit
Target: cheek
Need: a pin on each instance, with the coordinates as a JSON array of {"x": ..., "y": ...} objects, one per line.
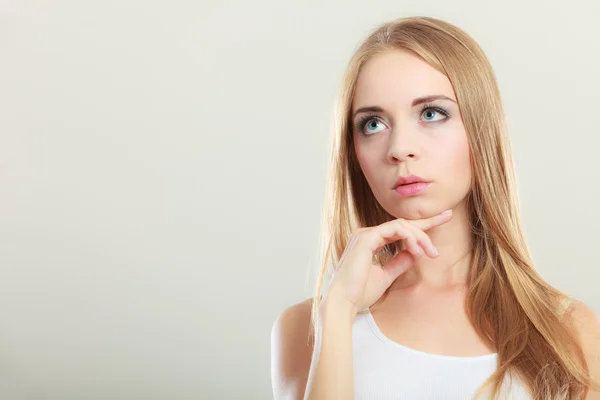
[
  {"x": 454, "y": 159},
  {"x": 369, "y": 160},
  {"x": 367, "y": 165}
]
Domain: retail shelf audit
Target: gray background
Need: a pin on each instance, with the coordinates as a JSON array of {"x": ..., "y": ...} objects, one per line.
[{"x": 162, "y": 170}]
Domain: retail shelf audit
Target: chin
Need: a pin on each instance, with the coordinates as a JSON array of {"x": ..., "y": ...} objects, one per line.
[
  {"x": 416, "y": 209},
  {"x": 416, "y": 212}
]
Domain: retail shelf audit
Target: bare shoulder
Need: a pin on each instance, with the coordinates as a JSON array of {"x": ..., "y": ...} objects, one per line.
[
  {"x": 586, "y": 323},
  {"x": 584, "y": 315},
  {"x": 291, "y": 351}
]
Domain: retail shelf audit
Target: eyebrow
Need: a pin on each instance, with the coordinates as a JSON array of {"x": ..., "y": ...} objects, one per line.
[{"x": 415, "y": 102}]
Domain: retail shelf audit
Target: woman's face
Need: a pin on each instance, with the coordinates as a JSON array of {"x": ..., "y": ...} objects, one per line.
[{"x": 413, "y": 127}]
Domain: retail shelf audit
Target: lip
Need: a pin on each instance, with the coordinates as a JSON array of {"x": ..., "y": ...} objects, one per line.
[
  {"x": 410, "y": 185},
  {"x": 412, "y": 189},
  {"x": 407, "y": 180}
]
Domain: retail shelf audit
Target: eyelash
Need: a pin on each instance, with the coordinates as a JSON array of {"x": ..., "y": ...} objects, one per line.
[{"x": 362, "y": 122}]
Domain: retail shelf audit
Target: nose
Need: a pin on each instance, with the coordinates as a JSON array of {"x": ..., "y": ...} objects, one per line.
[{"x": 402, "y": 147}]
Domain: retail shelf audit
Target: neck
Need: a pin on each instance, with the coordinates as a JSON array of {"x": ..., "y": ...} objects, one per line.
[{"x": 453, "y": 241}]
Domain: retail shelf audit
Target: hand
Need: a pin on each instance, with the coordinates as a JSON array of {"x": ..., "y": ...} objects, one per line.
[{"x": 360, "y": 283}]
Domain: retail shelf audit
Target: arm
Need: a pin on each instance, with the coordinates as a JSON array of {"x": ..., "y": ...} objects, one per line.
[
  {"x": 356, "y": 284},
  {"x": 331, "y": 371},
  {"x": 587, "y": 325},
  {"x": 291, "y": 352},
  {"x": 330, "y": 374}
]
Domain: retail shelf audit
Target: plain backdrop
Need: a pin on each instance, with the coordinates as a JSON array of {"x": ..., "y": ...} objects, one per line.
[{"x": 162, "y": 173}]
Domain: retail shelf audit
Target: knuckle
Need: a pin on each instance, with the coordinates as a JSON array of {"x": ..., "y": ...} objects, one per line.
[
  {"x": 420, "y": 233},
  {"x": 364, "y": 235},
  {"x": 357, "y": 234}
]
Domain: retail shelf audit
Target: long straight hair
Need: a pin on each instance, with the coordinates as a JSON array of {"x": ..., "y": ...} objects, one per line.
[{"x": 511, "y": 307}]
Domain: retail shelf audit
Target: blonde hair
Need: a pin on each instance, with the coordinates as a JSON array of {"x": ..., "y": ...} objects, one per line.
[{"x": 512, "y": 308}]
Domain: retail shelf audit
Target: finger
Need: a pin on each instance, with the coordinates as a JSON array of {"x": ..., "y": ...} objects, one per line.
[
  {"x": 397, "y": 265},
  {"x": 436, "y": 220},
  {"x": 378, "y": 236},
  {"x": 349, "y": 246},
  {"x": 412, "y": 246},
  {"x": 424, "y": 241},
  {"x": 400, "y": 229}
]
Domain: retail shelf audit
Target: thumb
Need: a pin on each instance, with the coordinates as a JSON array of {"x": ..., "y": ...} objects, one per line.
[{"x": 397, "y": 265}]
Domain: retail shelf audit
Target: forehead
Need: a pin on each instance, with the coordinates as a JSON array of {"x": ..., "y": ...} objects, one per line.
[{"x": 395, "y": 78}]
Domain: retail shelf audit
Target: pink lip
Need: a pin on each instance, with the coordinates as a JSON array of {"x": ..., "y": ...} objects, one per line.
[
  {"x": 405, "y": 180},
  {"x": 412, "y": 189},
  {"x": 410, "y": 185}
]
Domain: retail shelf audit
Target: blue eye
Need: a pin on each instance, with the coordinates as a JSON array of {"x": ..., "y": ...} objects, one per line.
[
  {"x": 430, "y": 113},
  {"x": 368, "y": 122},
  {"x": 372, "y": 123}
]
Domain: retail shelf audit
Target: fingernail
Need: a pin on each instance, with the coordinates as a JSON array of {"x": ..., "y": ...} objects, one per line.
[
  {"x": 437, "y": 253},
  {"x": 447, "y": 211}
]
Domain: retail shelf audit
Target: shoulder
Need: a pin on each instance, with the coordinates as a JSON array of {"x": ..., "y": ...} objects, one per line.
[
  {"x": 586, "y": 323},
  {"x": 291, "y": 351}
]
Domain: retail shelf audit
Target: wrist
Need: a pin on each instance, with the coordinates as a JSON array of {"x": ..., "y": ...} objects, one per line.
[{"x": 335, "y": 307}]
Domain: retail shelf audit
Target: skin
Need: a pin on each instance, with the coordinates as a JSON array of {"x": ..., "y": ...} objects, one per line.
[
  {"x": 425, "y": 306},
  {"x": 407, "y": 139},
  {"x": 404, "y": 139}
]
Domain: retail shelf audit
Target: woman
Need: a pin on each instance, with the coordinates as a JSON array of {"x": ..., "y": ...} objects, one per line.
[{"x": 425, "y": 303}]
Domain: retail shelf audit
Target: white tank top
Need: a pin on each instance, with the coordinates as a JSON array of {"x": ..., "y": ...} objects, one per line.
[{"x": 384, "y": 369}]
